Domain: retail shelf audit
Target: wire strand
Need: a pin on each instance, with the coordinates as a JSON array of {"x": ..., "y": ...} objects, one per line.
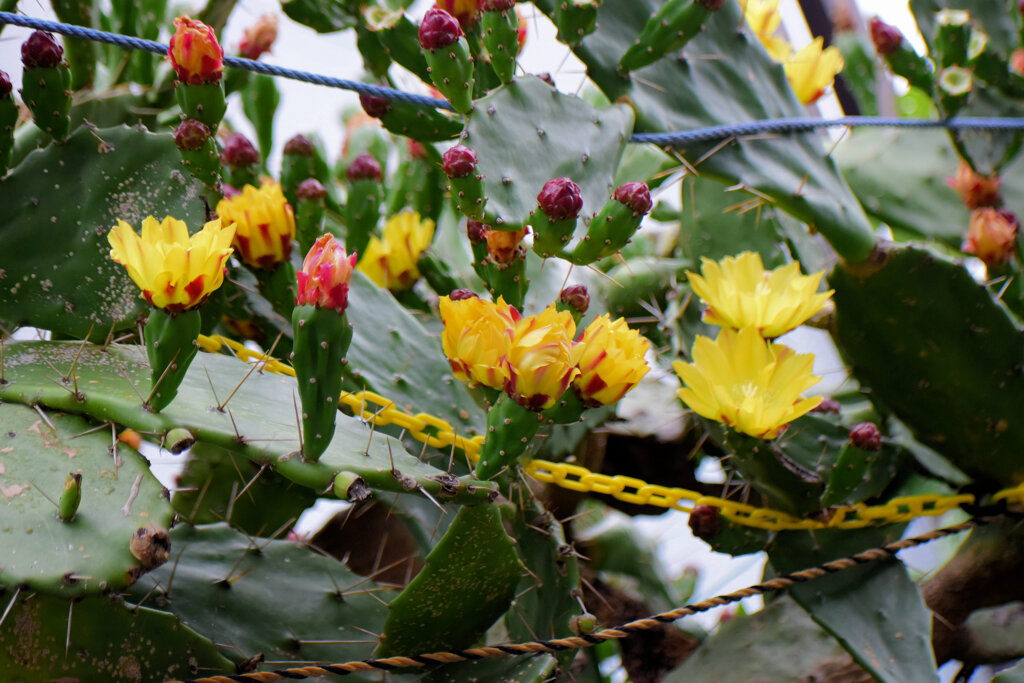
[{"x": 668, "y": 139}]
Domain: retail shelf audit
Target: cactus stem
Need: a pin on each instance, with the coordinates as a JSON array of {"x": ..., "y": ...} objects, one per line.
[{"x": 152, "y": 392}]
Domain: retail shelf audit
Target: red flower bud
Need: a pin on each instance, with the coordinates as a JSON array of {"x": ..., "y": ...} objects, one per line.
[
  {"x": 375, "y": 106},
  {"x": 311, "y": 188},
  {"x": 458, "y": 162},
  {"x": 41, "y": 50},
  {"x": 364, "y": 167},
  {"x": 5, "y": 84},
  {"x": 992, "y": 235},
  {"x": 560, "y": 199},
  {"x": 476, "y": 231},
  {"x": 300, "y": 145},
  {"x": 577, "y": 297},
  {"x": 711, "y": 5},
  {"x": 438, "y": 29},
  {"x": 636, "y": 196},
  {"x": 191, "y": 135},
  {"x": 866, "y": 436},
  {"x": 887, "y": 39},
  {"x": 460, "y": 294},
  {"x": 238, "y": 151},
  {"x": 705, "y": 522},
  {"x": 547, "y": 78},
  {"x": 416, "y": 149}
]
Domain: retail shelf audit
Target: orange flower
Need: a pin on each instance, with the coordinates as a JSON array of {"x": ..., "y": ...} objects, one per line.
[
  {"x": 326, "y": 271},
  {"x": 195, "y": 54}
]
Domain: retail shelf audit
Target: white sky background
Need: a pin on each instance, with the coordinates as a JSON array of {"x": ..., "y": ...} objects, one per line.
[{"x": 308, "y": 108}]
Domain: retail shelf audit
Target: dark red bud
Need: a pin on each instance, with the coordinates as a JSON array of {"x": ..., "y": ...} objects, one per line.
[
  {"x": 476, "y": 231},
  {"x": 375, "y": 106},
  {"x": 636, "y": 196},
  {"x": 300, "y": 145},
  {"x": 458, "y": 162},
  {"x": 238, "y": 151},
  {"x": 577, "y": 297},
  {"x": 547, "y": 78},
  {"x": 887, "y": 39},
  {"x": 866, "y": 437},
  {"x": 41, "y": 51},
  {"x": 1020, "y": 6},
  {"x": 497, "y": 5},
  {"x": 5, "y": 84},
  {"x": 461, "y": 294},
  {"x": 364, "y": 167},
  {"x": 311, "y": 188},
  {"x": 416, "y": 149},
  {"x": 438, "y": 29},
  {"x": 705, "y": 522},
  {"x": 191, "y": 135},
  {"x": 560, "y": 199},
  {"x": 827, "y": 405},
  {"x": 712, "y": 5}
]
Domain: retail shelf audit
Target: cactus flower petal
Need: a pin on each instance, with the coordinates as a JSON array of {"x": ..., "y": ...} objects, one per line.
[
  {"x": 174, "y": 271},
  {"x": 812, "y": 69},
  {"x": 264, "y": 224},
  {"x": 540, "y": 359},
  {"x": 747, "y": 383},
  {"x": 195, "y": 54},
  {"x": 740, "y": 293},
  {"x": 391, "y": 262},
  {"x": 476, "y": 337},
  {"x": 610, "y": 357}
]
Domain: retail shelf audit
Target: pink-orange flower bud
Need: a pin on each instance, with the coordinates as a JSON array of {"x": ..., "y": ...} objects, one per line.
[
  {"x": 503, "y": 245},
  {"x": 991, "y": 236},
  {"x": 259, "y": 37},
  {"x": 195, "y": 54},
  {"x": 326, "y": 271},
  {"x": 975, "y": 190}
]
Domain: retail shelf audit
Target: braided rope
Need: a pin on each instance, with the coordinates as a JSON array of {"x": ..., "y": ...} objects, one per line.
[
  {"x": 779, "y": 583},
  {"x": 673, "y": 139}
]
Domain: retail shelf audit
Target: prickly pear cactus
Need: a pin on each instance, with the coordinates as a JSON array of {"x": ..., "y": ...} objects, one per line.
[{"x": 541, "y": 312}]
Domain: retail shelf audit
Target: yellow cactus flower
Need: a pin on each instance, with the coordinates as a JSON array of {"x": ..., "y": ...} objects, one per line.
[
  {"x": 750, "y": 384},
  {"x": 610, "y": 357},
  {"x": 174, "y": 271},
  {"x": 264, "y": 224},
  {"x": 740, "y": 293},
  {"x": 763, "y": 18},
  {"x": 813, "y": 69},
  {"x": 540, "y": 359},
  {"x": 476, "y": 337},
  {"x": 392, "y": 262}
]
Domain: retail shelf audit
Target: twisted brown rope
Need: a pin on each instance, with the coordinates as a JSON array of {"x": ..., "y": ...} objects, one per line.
[{"x": 779, "y": 583}]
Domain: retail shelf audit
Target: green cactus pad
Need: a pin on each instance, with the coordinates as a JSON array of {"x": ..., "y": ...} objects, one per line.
[
  {"x": 936, "y": 349},
  {"x": 526, "y": 133},
  {"x": 874, "y": 611},
  {"x": 90, "y": 553},
  {"x": 71, "y": 286},
  {"x": 273, "y": 597},
  {"x": 736, "y": 82},
  {"x": 98, "y": 638},
  {"x": 262, "y": 411},
  {"x": 468, "y": 581},
  {"x": 778, "y": 644}
]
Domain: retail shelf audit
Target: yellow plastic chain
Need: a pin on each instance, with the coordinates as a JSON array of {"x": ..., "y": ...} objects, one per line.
[{"x": 440, "y": 434}]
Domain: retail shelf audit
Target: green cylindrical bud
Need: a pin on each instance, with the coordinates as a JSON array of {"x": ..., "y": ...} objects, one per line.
[
  {"x": 199, "y": 154},
  {"x": 510, "y": 427},
  {"x": 582, "y": 624},
  {"x": 202, "y": 101},
  {"x": 170, "y": 346},
  {"x": 499, "y": 26},
  {"x": 322, "y": 338},
  {"x": 575, "y": 19},
  {"x": 459, "y": 163},
  {"x": 362, "y": 208},
  {"x": 70, "y": 497},
  {"x": 410, "y": 120},
  {"x": 952, "y": 39},
  {"x": 309, "y": 216},
  {"x": 618, "y": 221},
  {"x": 671, "y": 27},
  {"x": 46, "y": 84},
  {"x": 448, "y": 61}
]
